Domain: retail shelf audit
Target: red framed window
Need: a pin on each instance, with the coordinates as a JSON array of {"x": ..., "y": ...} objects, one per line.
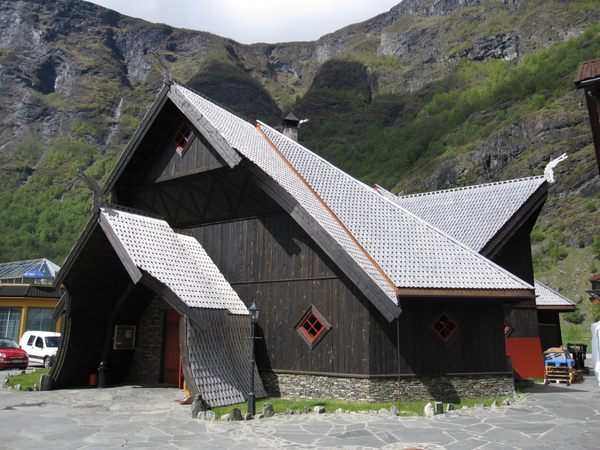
[
  {"x": 183, "y": 138},
  {"x": 312, "y": 327},
  {"x": 445, "y": 327}
]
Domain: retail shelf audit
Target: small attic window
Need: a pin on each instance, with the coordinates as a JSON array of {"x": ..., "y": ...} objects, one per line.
[
  {"x": 312, "y": 327},
  {"x": 183, "y": 138},
  {"x": 445, "y": 327}
]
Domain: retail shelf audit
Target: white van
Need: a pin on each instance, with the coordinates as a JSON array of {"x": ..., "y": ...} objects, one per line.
[{"x": 40, "y": 346}]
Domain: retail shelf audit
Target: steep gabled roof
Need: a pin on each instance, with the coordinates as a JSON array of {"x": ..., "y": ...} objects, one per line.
[
  {"x": 548, "y": 298},
  {"x": 478, "y": 216},
  {"x": 175, "y": 260},
  {"x": 394, "y": 247}
]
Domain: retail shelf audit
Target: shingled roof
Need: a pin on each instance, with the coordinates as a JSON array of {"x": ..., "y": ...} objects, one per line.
[
  {"x": 175, "y": 260},
  {"x": 393, "y": 246},
  {"x": 548, "y": 298},
  {"x": 475, "y": 215}
]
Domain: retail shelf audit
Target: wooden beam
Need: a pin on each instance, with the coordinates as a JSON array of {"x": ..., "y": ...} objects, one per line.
[
  {"x": 126, "y": 260},
  {"x": 500, "y": 294},
  {"x": 211, "y": 134},
  {"x": 136, "y": 139},
  {"x": 332, "y": 248}
]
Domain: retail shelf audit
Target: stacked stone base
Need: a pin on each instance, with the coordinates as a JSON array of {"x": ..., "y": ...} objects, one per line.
[{"x": 446, "y": 388}]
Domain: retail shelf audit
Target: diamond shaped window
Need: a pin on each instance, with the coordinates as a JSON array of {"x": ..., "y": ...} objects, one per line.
[{"x": 445, "y": 327}]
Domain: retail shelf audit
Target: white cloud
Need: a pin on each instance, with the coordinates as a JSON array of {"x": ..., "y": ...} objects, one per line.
[{"x": 249, "y": 21}]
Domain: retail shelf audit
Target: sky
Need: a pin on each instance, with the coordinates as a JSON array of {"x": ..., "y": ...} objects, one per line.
[{"x": 251, "y": 21}]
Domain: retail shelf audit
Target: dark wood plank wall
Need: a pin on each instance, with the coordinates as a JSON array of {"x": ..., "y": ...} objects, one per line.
[
  {"x": 94, "y": 284},
  {"x": 271, "y": 259},
  {"x": 478, "y": 346},
  {"x": 522, "y": 317},
  {"x": 550, "y": 335},
  {"x": 515, "y": 255}
]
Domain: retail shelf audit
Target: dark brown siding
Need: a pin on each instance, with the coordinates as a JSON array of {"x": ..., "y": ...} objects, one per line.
[
  {"x": 272, "y": 260},
  {"x": 478, "y": 346},
  {"x": 550, "y": 334}
]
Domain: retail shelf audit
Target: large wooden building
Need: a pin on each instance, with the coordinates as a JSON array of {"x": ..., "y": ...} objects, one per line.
[{"x": 361, "y": 298}]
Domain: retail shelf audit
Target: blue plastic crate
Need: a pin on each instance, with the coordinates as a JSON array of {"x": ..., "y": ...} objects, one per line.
[{"x": 560, "y": 362}]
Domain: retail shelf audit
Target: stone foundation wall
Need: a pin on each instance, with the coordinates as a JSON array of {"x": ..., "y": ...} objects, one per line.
[
  {"x": 447, "y": 388},
  {"x": 147, "y": 357}
]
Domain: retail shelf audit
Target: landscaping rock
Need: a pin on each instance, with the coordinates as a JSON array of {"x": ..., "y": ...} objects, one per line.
[
  {"x": 494, "y": 404},
  {"x": 248, "y": 416},
  {"x": 479, "y": 405},
  {"x": 206, "y": 415},
  {"x": 45, "y": 383},
  {"x": 236, "y": 414},
  {"x": 339, "y": 411},
  {"x": 306, "y": 410},
  {"x": 450, "y": 407},
  {"x": 197, "y": 406},
  {"x": 260, "y": 416},
  {"x": 394, "y": 411},
  {"x": 384, "y": 412},
  {"x": 226, "y": 417},
  {"x": 506, "y": 402},
  {"x": 268, "y": 410},
  {"x": 319, "y": 409},
  {"x": 289, "y": 412},
  {"x": 428, "y": 410},
  {"x": 439, "y": 408}
]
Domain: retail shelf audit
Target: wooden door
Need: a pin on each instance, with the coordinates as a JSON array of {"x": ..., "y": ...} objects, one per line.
[{"x": 170, "y": 367}]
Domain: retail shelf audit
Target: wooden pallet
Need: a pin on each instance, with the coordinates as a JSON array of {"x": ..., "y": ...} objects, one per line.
[{"x": 561, "y": 374}]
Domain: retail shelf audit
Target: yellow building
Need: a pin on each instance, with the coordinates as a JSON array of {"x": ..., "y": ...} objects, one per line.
[{"x": 27, "y": 297}]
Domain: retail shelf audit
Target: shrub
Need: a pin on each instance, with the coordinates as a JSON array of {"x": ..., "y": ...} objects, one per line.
[
  {"x": 574, "y": 317},
  {"x": 591, "y": 206}
]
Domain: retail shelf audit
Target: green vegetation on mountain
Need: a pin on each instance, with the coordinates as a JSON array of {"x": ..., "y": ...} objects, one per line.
[{"x": 430, "y": 95}]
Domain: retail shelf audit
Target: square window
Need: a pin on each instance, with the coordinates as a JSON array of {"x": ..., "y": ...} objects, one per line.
[
  {"x": 312, "y": 327},
  {"x": 445, "y": 328},
  {"x": 183, "y": 138}
]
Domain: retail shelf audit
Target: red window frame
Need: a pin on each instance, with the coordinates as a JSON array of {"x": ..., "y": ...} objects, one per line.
[
  {"x": 183, "y": 138},
  {"x": 312, "y": 327},
  {"x": 445, "y": 327}
]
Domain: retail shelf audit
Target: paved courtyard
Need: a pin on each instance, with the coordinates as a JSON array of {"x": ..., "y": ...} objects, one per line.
[{"x": 547, "y": 417}]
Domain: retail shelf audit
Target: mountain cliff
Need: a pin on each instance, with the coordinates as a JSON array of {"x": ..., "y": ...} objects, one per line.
[{"x": 429, "y": 95}]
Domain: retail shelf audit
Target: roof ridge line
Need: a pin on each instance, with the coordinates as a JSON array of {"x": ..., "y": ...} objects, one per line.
[
  {"x": 327, "y": 208},
  {"x": 465, "y": 188}
]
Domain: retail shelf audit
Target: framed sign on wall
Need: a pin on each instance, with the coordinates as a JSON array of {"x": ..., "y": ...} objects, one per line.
[{"x": 124, "y": 337}]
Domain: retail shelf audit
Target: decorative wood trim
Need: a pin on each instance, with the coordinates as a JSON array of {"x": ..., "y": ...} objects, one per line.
[
  {"x": 328, "y": 209},
  {"x": 531, "y": 207},
  {"x": 210, "y": 133},
  {"x": 126, "y": 260},
  {"x": 331, "y": 248},
  {"x": 500, "y": 294},
  {"x": 136, "y": 139}
]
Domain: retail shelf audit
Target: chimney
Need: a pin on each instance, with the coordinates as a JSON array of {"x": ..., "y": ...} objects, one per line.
[{"x": 290, "y": 125}]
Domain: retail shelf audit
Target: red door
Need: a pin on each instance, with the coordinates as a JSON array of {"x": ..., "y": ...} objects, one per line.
[{"x": 170, "y": 369}]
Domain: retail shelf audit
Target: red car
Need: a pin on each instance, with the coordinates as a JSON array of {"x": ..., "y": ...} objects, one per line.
[{"x": 11, "y": 355}]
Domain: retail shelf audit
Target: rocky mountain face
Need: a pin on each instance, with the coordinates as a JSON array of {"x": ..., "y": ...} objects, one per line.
[{"x": 429, "y": 95}]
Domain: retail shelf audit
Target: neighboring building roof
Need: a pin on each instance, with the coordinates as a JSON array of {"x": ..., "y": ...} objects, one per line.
[
  {"x": 473, "y": 215},
  {"x": 30, "y": 291},
  {"x": 177, "y": 261},
  {"x": 391, "y": 245},
  {"x": 589, "y": 72},
  {"x": 32, "y": 271},
  {"x": 548, "y": 298}
]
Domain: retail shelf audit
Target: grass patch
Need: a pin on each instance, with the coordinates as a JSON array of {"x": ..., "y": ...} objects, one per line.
[
  {"x": 29, "y": 379},
  {"x": 404, "y": 408}
]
